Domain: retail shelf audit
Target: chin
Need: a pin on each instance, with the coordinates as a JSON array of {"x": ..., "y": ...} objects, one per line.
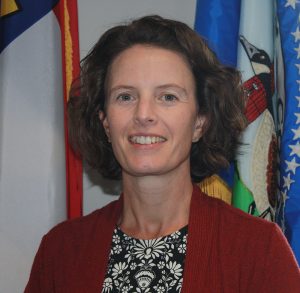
[
  {"x": 139, "y": 169},
  {"x": 144, "y": 171}
]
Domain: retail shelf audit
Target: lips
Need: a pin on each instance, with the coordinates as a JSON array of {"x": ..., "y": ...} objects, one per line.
[{"x": 144, "y": 140}]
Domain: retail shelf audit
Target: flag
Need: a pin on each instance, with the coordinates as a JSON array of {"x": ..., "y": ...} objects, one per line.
[
  {"x": 288, "y": 214},
  {"x": 273, "y": 113},
  {"x": 32, "y": 137},
  {"x": 218, "y": 22},
  {"x": 66, "y": 12},
  {"x": 255, "y": 187},
  {"x": 229, "y": 27}
]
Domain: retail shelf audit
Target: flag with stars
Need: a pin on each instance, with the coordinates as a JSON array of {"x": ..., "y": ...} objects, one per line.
[
  {"x": 288, "y": 214},
  {"x": 36, "y": 67}
]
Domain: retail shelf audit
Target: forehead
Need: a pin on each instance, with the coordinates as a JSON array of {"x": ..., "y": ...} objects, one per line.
[{"x": 149, "y": 64}]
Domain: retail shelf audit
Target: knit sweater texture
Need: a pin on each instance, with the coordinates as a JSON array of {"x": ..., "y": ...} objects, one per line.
[{"x": 227, "y": 251}]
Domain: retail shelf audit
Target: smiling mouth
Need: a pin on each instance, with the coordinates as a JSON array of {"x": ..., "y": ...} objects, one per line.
[{"x": 146, "y": 139}]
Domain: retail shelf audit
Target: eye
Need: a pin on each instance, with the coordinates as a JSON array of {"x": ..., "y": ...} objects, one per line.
[
  {"x": 124, "y": 98},
  {"x": 169, "y": 98}
]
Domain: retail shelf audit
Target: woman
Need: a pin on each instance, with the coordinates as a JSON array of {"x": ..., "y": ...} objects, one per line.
[{"x": 159, "y": 111}]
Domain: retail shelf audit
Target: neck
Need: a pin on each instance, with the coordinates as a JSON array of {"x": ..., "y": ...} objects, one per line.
[{"x": 154, "y": 206}]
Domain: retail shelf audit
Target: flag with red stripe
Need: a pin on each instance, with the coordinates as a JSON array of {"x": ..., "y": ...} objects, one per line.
[
  {"x": 66, "y": 12},
  {"x": 38, "y": 59}
]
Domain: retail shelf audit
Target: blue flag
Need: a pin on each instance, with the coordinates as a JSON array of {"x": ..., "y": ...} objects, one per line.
[
  {"x": 289, "y": 209},
  {"x": 17, "y": 18},
  {"x": 218, "y": 22}
]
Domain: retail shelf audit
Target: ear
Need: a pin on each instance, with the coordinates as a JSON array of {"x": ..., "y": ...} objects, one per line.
[
  {"x": 199, "y": 127},
  {"x": 103, "y": 119}
]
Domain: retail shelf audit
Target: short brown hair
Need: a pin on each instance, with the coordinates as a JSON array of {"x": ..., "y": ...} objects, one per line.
[{"x": 219, "y": 94}]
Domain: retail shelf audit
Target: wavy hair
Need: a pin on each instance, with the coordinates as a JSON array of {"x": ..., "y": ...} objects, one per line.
[{"x": 219, "y": 95}]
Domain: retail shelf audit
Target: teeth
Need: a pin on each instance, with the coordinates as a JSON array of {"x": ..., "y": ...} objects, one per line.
[{"x": 146, "y": 139}]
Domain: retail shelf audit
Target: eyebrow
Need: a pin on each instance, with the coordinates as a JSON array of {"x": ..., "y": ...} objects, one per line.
[
  {"x": 161, "y": 87},
  {"x": 172, "y": 85},
  {"x": 118, "y": 87}
]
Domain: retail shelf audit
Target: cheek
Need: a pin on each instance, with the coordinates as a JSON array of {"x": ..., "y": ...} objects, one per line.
[
  {"x": 114, "y": 129},
  {"x": 184, "y": 126},
  {"x": 117, "y": 127}
]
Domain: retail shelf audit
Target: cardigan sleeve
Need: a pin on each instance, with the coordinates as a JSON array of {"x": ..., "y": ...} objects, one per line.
[{"x": 281, "y": 269}]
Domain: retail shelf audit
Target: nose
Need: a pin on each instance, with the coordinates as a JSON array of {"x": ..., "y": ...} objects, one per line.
[{"x": 145, "y": 112}]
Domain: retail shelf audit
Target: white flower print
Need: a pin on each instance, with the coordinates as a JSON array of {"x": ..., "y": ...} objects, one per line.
[
  {"x": 182, "y": 248},
  {"x": 179, "y": 284},
  {"x": 126, "y": 288},
  {"x": 116, "y": 283},
  {"x": 139, "y": 290},
  {"x": 161, "y": 265},
  {"x": 146, "y": 263},
  {"x": 173, "y": 283},
  {"x": 116, "y": 238},
  {"x": 133, "y": 266},
  {"x": 126, "y": 237},
  {"x": 107, "y": 285},
  {"x": 117, "y": 248},
  {"x": 175, "y": 269},
  {"x": 149, "y": 248},
  {"x": 171, "y": 244},
  {"x": 168, "y": 254},
  {"x": 146, "y": 266},
  {"x": 160, "y": 289},
  {"x": 175, "y": 234},
  {"x": 129, "y": 255},
  {"x": 118, "y": 269}
]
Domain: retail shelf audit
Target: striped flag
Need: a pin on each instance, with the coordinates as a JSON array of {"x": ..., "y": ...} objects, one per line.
[
  {"x": 288, "y": 215},
  {"x": 33, "y": 85},
  {"x": 66, "y": 12}
]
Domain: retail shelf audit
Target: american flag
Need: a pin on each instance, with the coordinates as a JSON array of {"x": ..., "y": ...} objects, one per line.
[{"x": 288, "y": 215}]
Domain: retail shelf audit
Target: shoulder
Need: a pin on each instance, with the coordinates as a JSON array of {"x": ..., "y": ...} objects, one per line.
[
  {"x": 249, "y": 245},
  {"x": 231, "y": 215},
  {"x": 83, "y": 241},
  {"x": 79, "y": 228},
  {"x": 262, "y": 248},
  {"x": 235, "y": 228},
  {"x": 233, "y": 218}
]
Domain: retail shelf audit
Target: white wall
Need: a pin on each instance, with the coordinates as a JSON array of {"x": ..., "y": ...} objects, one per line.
[{"x": 95, "y": 17}]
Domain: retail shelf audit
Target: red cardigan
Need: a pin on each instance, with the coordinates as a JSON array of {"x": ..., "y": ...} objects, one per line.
[{"x": 228, "y": 251}]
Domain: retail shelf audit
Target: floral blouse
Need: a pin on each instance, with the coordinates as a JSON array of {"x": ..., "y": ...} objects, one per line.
[{"x": 140, "y": 266}]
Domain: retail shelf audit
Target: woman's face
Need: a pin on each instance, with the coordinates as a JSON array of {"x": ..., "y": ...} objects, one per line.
[{"x": 151, "y": 112}]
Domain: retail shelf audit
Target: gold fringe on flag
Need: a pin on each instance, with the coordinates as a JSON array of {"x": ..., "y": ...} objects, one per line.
[
  {"x": 68, "y": 49},
  {"x": 214, "y": 186},
  {"x": 8, "y": 7}
]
